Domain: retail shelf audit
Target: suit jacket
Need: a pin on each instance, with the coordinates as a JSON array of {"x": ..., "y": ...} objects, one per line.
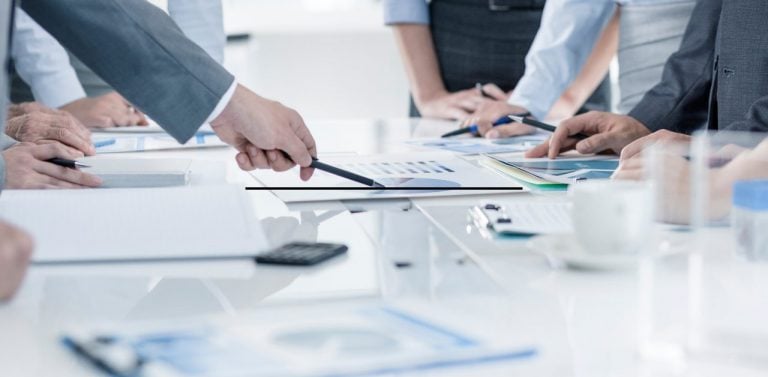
[
  {"x": 719, "y": 76},
  {"x": 137, "y": 49}
]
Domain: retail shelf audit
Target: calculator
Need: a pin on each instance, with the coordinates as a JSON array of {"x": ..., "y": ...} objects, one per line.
[{"x": 301, "y": 253}]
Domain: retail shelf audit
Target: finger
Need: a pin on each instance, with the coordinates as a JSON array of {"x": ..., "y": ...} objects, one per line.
[
  {"x": 244, "y": 161},
  {"x": 295, "y": 148},
  {"x": 595, "y": 144},
  {"x": 629, "y": 173},
  {"x": 484, "y": 126},
  {"x": 634, "y": 148},
  {"x": 279, "y": 161},
  {"x": 70, "y": 138},
  {"x": 142, "y": 119},
  {"x": 302, "y": 132},
  {"x": 76, "y": 126},
  {"x": 559, "y": 141},
  {"x": 48, "y": 151},
  {"x": 259, "y": 158},
  {"x": 306, "y": 173},
  {"x": 540, "y": 150},
  {"x": 457, "y": 113},
  {"x": 510, "y": 131},
  {"x": 65, "y": 177},
  {"x": 495, "y": 92}
]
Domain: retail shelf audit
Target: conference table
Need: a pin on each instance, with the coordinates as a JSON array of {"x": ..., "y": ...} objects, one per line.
[{"x": 582, "y": 322}]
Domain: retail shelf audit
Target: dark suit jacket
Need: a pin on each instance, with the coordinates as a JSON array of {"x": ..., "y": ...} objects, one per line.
[
  {"x": 139, "y": 51},
  {"x": 719, "y": 76}
]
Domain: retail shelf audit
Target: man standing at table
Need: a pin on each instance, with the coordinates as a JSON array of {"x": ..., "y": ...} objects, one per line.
[{"x": 717, "y": 79}]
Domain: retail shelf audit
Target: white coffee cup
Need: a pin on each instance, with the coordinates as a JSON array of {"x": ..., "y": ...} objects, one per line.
[{"x": 612, "y": 217}]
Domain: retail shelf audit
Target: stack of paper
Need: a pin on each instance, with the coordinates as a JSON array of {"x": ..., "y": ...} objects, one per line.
[
  {"x": 140, "y": 142},
  {"x": 136, "y": 224},
  {"x": 136, "y": 173}
]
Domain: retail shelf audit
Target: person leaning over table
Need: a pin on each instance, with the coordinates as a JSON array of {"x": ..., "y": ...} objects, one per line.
[
  {"x": 649, "y": 32},
  {"x": 130, "y": 43},
  {"x": 716, "y": 80},
  {"x": 450, "y": 45},
  {"x": 62, "y": 81}
]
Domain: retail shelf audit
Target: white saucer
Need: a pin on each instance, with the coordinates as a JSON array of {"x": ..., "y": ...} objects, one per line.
[{"x": 565, "y": 248}]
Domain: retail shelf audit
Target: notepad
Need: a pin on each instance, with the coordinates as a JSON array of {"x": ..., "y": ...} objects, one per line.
[
  {"x": 548, "y": 173},
  {"x": 136, "y": 173},
  {"x": 136, "y": 224},
  {"x": 524, "y": 218}
]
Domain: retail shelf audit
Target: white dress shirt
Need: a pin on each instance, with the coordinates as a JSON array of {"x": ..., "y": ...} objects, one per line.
[
  {"x": 569, "y": 30},
  {"x": 44, "y": 64}
]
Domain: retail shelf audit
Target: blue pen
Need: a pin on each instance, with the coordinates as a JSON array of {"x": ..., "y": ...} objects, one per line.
[{"x": 473, "y": 128}]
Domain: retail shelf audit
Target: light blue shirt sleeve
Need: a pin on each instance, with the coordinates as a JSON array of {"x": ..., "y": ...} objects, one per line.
[
  {"x": 43, "y": 64},
  {"x": 202, "y": 21},
  {"x": 569, "y": 30},
  {"x": 406, "y": 12}
]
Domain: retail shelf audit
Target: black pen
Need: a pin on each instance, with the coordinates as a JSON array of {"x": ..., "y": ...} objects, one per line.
[
  {"x": 344, "y": 174},
  {"x": 542, "y": 125},
  {"x": 71, "y": 164}
]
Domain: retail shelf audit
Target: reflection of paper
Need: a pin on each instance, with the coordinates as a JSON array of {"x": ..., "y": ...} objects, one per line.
[
  {"x": 524, "y": 218},
  {"x": 118, "y": 224},
  {"x": 116, "y": 143},
  {"x": 472, "y": 146},
  {"x": 441, "y": 171},
  {"x": 340, "y": 340}
]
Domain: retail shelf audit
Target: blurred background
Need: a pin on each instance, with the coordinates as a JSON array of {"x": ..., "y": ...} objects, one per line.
[{"x": 325, "y": 58}]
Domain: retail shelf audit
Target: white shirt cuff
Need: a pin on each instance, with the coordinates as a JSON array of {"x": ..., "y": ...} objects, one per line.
[
  {"x": 222, "y": 103},
  {"x": 531, "y": 95}
]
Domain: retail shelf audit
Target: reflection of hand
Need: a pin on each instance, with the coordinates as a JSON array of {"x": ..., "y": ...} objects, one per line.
[
  {"x": 458, "y": 105},
  {"x": 108, "y": 110},
  {"x": 26, "y": 167},
  {"x": 610, "y": 132},
  {"x": 661, "y": 136},
  {"x": 489, "y": 112},
  {"x": 15, "y": 252},
  {"x": 35, "y": 127},
  {"x": 266, "y": 133}
]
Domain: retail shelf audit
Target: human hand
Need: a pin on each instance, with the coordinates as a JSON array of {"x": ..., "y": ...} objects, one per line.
[
  {"x": 489, "y": 112},
  {"x": 108, "y": 110},
  {"x": 610, "y": 132},
  {"x": 661, "y": 136},
  {"x": 458, "y": 105},
  {"x": 15, "y": 252},
  {"x": 19, "y": 109},
  {"x": 51, "y": 125},
  {"x": 26, "y": 167},
  {"x": 267, "y": 134}
]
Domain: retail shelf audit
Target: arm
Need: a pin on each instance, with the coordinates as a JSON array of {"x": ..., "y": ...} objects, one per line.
[
  {"x": 410, "y": 20},
  {"x": 679, "y": 102},
  {"x": 203, "y": 22},
  {"x": 568, "y": 33},
  {"x": 44, "y": 64},
  {"x": 755, "y": 120},
  {"x": 130, "y": 43},
  {"x": 592, "y": 74}
]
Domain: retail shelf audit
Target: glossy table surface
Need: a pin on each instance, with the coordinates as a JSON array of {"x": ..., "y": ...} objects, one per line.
[{"x": 584, "y": 323}]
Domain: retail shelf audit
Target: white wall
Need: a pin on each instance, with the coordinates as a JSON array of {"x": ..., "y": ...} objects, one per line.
[{"x": 326, "y": 58}]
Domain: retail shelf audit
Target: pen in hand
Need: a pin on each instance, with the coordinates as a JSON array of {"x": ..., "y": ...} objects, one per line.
[{"x": 71, "y": 164}]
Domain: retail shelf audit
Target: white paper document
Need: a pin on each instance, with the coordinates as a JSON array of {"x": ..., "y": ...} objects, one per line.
[
  {"x": 138, "y": 172},
  {"x": 524, "y": 218},
  {"x": 333, "y": 340},
  {"x": 405, "y": 175},
  {"x": 475, "y": 145},
  {"x": 136, "y": 224},
  {"x": 119, "y": 143},
  {"x": 152, "y": 127}
]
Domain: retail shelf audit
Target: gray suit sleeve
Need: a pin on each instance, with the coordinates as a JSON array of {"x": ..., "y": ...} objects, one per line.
[
  {"x": 137, "y": 49},
  {"x": 755, "y": 120},
  {"x": 680, "y": 101}
]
